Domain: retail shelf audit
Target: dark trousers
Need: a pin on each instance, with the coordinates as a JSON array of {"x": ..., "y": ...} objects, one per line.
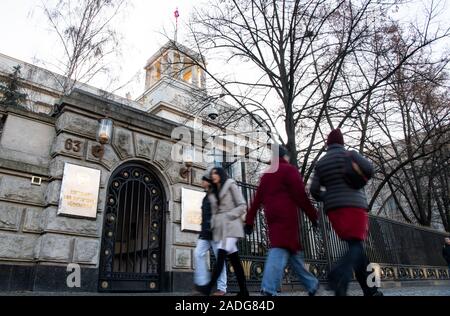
[
  {"x": 354, "y": 260},
  {"x": 238, "y": 270}
]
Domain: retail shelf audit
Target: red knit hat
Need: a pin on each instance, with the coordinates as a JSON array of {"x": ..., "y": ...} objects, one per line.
[{"x": 335, "y": 137}]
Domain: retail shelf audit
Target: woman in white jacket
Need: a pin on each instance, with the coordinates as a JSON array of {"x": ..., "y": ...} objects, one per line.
[{"x": 228, "y": 208}]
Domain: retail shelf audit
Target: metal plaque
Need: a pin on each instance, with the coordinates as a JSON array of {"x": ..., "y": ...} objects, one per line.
[
  {"x": 191, "y": 209},
  {"x": 79, "y": 191}
]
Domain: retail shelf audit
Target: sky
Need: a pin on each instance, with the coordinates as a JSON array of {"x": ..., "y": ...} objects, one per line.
[{"x": 25, "y": 33}]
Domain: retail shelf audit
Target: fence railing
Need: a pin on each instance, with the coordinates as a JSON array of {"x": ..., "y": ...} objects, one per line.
[{"x": 403, "y": 252}]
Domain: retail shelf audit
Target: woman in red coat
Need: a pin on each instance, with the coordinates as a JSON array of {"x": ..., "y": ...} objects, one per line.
[{"x": 282, "y": 193}]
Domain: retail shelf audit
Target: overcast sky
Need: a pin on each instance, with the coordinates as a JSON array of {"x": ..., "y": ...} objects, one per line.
[{"x": 25, "y": 33}]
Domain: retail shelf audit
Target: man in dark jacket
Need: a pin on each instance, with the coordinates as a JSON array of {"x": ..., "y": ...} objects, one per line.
[
  {"x": 446, "y": 251},
  {"x": 282, "y": 193},
  {"x": 204, "y": 244},
  {"x": 346, "y": 209}
]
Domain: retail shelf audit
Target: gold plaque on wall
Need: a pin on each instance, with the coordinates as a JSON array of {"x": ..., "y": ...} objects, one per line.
[
  {"x": 191, "y": 209},
  {"x": 79, "y": 191}
]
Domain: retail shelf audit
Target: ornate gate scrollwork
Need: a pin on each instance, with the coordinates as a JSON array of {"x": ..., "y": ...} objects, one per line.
[{"x": 131, "y": 254}]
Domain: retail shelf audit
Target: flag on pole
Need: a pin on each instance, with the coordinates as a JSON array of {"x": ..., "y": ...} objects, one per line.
[{"x": 176, "y": 14}]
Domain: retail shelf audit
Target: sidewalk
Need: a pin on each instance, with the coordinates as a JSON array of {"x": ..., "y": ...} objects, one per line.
[{"x": 403, "y": 291}]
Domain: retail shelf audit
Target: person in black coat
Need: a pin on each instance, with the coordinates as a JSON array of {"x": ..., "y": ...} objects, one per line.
[
  {"x": 446, "y": 251},
  {"x": 347, "y": 210},
  {"x": 204, "y": 244}
]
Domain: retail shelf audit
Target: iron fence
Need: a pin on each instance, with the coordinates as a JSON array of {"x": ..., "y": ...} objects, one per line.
[{"x": 402, "y": 251}]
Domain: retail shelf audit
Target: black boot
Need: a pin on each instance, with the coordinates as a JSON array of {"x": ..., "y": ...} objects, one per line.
[
  {"x": 218, "y": 267},
  {"x": 336, "y": 283},
  {"x": 239, "y": 271}
]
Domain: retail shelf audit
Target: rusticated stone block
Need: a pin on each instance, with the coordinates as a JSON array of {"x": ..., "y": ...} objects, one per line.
[
  {"x": 197, "y": 175},
  {"x": 53, "y": 192},
  {"x": 176, "y": 212},
  {"x": 78, "y": 124},
  {"x": 20, "y": 189},
  {"x": 30, "y": 137},
  {"x": 69, "y": 145},
  {"x": 109, "y": 159},
  {"x": 173, "y": 173},
  {"x": 123, "y": 142},
  {"x": 163, "y": 155},
  {"x": 33, "y": 220},
  {"x": 145, "y": 146},
  {"x": 86, "y": 250},
  {"x": 55, "y": 223},
  {"x": 182, "y": 258},
  {"x": 176, "y": 190},
  {"x": 10, "y": 215},
  {"x": 184, "y": 238},
  {"x": 17, "y": 246},
  {"x": 56, "y": 247}
]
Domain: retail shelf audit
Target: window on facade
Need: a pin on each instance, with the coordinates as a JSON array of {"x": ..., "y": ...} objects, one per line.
[
  {"x": 176, "y": 65},
  {"x": 243, "y": 172},
  {"x": 187, "y": 76},
  {"x": 199, "y": 76},
  {"x": 220, "y": 161},
  {"x": 229, "y": 169},
  {"x": 158, "y": 70}
]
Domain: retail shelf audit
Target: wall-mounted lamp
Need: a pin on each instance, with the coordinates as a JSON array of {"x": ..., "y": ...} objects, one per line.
[
  {"x": 188, "y": 160},
  {"x": 104, "y": 135}
]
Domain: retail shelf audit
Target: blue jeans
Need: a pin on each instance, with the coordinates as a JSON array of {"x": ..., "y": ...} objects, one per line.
[
  {"x": 201, "y": 273},
  {"x": 276, "y": 261}
]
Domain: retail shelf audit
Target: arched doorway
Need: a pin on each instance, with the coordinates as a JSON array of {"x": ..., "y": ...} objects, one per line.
[{"x": 131, "y": 257}]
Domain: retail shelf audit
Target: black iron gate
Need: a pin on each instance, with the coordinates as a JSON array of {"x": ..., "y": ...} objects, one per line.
[
  {"x": 403, "y": 252},
  {"x": 131, "y": 252}
]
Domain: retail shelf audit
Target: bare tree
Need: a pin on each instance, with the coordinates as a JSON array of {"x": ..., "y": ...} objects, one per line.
[
  {"x": 87, "y": 36},
  {"x": 303, "y": 54},
  {"x": 318, "y": 65},
  {"x": 415, "y": 118},
  {"x": 440, "y": 185}
]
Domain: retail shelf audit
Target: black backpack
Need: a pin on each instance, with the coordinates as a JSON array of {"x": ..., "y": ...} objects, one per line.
[{"x": 353, "y": 174}]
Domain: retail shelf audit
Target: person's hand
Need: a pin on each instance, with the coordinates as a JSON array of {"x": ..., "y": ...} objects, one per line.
[{"x": 248, "y": 229}]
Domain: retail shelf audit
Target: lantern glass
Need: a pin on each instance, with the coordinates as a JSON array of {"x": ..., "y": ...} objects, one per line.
[
  {"x": 104, "y": 132},
  {"x": 188, "y": 154}
]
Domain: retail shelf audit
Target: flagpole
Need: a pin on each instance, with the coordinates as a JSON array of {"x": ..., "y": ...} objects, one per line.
[{"x": 177, "y": 14}]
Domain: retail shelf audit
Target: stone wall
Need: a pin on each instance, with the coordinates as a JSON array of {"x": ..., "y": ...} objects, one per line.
[
  {"x": 24, "y": 152},
  {"x": 30, "y": 229}
]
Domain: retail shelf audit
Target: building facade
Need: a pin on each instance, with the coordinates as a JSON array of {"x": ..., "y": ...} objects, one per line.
[
  {"x": 125, "y": 247},
  {"x": 135, "y": 240}
]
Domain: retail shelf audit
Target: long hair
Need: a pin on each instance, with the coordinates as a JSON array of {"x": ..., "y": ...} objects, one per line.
[
  {"x": 207, "y": 179},
  {"x": 223, "y": 177}
]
